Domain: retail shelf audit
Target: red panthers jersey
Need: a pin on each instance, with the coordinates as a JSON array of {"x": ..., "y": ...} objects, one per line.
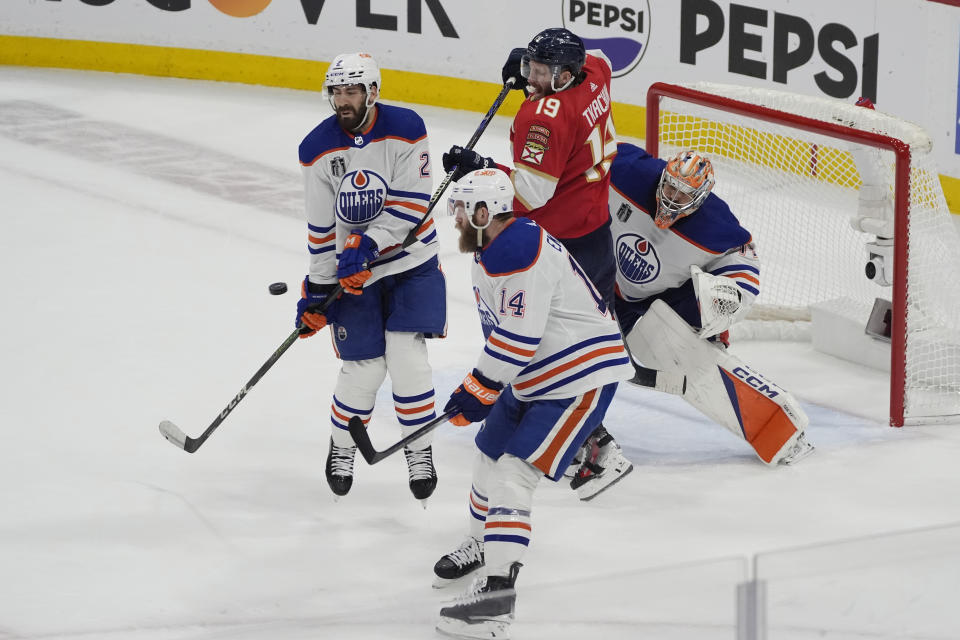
[{"x": 563, "y": 145}]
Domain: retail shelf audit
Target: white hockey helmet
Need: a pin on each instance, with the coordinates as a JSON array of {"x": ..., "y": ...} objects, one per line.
[
  {"x": 685, "y": 183},
  {"x": 353, "y": 68},
  {"x": 489, "y": 187}
]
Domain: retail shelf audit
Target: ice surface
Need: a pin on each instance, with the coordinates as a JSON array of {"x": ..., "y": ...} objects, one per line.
[{"x": 143, "y": 220}]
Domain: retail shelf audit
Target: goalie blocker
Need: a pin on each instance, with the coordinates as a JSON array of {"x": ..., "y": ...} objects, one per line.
[{"x": 721, "y": 386}]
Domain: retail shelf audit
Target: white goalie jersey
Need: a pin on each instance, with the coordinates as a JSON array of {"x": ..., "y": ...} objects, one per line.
[
  {"x": 655, "y": 263},
  {"x": 377, "y": 182},
  {"x": 548, "y": 332}
]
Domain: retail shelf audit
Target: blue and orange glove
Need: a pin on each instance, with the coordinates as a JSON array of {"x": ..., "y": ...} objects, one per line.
[
  {"x": 465, "y": 160},
  {"x": 312, "y": 297},
  {"x": 473, "y": 399},
  {"x": 353, "y": 266}
]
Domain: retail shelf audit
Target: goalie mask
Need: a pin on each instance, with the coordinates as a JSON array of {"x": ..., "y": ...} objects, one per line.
[
  {"x": 485, "y": 187},
  {"x": 684, "y": 185},
  {"x": 353, "y": 68}
]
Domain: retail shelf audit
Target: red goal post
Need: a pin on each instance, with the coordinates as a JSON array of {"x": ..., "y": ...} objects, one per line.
[{"x": 811, "y": 164}]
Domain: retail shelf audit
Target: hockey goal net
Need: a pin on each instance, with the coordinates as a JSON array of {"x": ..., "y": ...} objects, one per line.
[{"x": 822, "y": 184}]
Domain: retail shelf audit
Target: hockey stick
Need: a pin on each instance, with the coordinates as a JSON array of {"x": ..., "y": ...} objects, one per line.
[
  {"x": 175, "y": 434},
  {"x": 362, "y": 439}
]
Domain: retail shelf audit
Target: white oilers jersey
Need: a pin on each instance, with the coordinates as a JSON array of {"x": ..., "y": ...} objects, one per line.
[
  {"x": 548, "y": 332},
  {"x": 651, "y": 261},
  {"x": 377, "y": 182}
]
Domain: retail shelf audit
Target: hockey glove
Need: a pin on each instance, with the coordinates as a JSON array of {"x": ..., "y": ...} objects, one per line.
[
  {"x": 353, "y": 266},
  {"x": 719, "y": 299},
  {"x": 465, "y": 161},
  {"x": 474, "y": 398},
  {"x": 511, "y": 68},
  {"x": 312, "y": 297}
]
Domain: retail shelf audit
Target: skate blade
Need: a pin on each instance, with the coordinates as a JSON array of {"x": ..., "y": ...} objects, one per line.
[
  {"x": 443, "y": 583},
  {"x": 480, "y": 630},
  {"x": 603, "y": 488}
]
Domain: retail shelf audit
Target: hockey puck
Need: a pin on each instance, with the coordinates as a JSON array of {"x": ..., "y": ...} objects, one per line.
[{"x": 278, "y": 288}]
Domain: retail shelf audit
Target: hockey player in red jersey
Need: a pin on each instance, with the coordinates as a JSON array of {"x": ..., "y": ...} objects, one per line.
[
  {"x": 563, "y": 142},
  {"x": 549, "y": 367}
]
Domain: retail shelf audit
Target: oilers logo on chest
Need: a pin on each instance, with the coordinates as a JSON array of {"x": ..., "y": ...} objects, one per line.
[
  {"x": 637, "y": 259},
  {"x": 361, "y": 196},
  {"x": 488, "y": 319}
]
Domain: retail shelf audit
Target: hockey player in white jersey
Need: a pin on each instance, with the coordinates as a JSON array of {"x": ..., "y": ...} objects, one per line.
[
  {"x": 366, "y": 173},
  {"x": 686, "y": 271},
  {"x": 550, "y": 364}
]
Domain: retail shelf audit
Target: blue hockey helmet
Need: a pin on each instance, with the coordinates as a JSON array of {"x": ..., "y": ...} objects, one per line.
[{"x": 560, "y": 49}]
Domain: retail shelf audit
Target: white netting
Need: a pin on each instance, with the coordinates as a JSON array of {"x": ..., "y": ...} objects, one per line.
[{"x": 797, "y": 191}]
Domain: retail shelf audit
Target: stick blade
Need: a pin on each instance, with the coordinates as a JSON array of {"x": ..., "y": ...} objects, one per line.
[
  {"x": 176, "y": 436},
  {"x": 360, "y": 437}
]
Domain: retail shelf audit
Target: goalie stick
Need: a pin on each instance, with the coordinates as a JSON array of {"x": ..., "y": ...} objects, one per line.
[
  {"x": 175, "y": 434},
  {"x": 362, "y": 439}
]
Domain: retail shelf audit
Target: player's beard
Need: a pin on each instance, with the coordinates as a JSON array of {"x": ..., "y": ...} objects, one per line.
[
  {"x": 349, "y": 118},
  {"x": 468, "y": 238},
  {"x": 535, "y": 91}
]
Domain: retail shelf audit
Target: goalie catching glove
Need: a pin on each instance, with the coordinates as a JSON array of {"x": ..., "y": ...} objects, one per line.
[
  {"x": 312, "y": 298},
  {"x": 474, "y": 398},
  {"x": 719, "y": 299},
  {"x": 353, "y": 266}
]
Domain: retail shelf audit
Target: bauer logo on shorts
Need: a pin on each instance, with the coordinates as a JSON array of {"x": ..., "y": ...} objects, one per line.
[
  {"x": 619, "y": 28},
  {"x": 360, "y": 197},
  {"x": 637, "y": 260}
]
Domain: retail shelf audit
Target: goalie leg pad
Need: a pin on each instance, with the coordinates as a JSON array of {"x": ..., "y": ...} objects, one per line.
[
  {"x": 412, "y": 381},
  {"x": 719, "y": 384},
  {"x": 354, "y": 395}
]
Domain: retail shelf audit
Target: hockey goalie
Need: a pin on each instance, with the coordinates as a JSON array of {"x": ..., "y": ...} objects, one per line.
[{"x": 686, "y": 271}]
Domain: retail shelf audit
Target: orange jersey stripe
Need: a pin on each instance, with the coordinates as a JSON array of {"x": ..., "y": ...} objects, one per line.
[
  {"x": 420, "y": 409},
  {"x": 476, "y": 505},
  {"x": 545, "y": 461},
  {"x": 746, "y": 276},
  {"x": 408, "y": 205},
  {"x": 558, "y": 370},
  {"x": 333, "y": 410},
  {"x": 510, "y": 348},
  {"x": 514, "y": 525},
  {"x": 315, "y": 240}
]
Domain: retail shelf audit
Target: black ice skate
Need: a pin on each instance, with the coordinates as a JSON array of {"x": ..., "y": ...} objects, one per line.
[
  {"x": 485, "y": 611},
  {"x": 422, "y": 474},
  {"x": 603, "y": 466},
  {"x": 340, "y": 468},
  {"x": 460, "y": 562}
]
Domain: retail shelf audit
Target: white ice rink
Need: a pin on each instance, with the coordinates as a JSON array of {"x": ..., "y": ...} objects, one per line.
[{"x": 142, "y": 220}]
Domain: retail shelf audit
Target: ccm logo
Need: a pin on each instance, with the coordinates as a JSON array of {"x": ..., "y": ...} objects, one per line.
[{"x": 756, "y": 382}]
